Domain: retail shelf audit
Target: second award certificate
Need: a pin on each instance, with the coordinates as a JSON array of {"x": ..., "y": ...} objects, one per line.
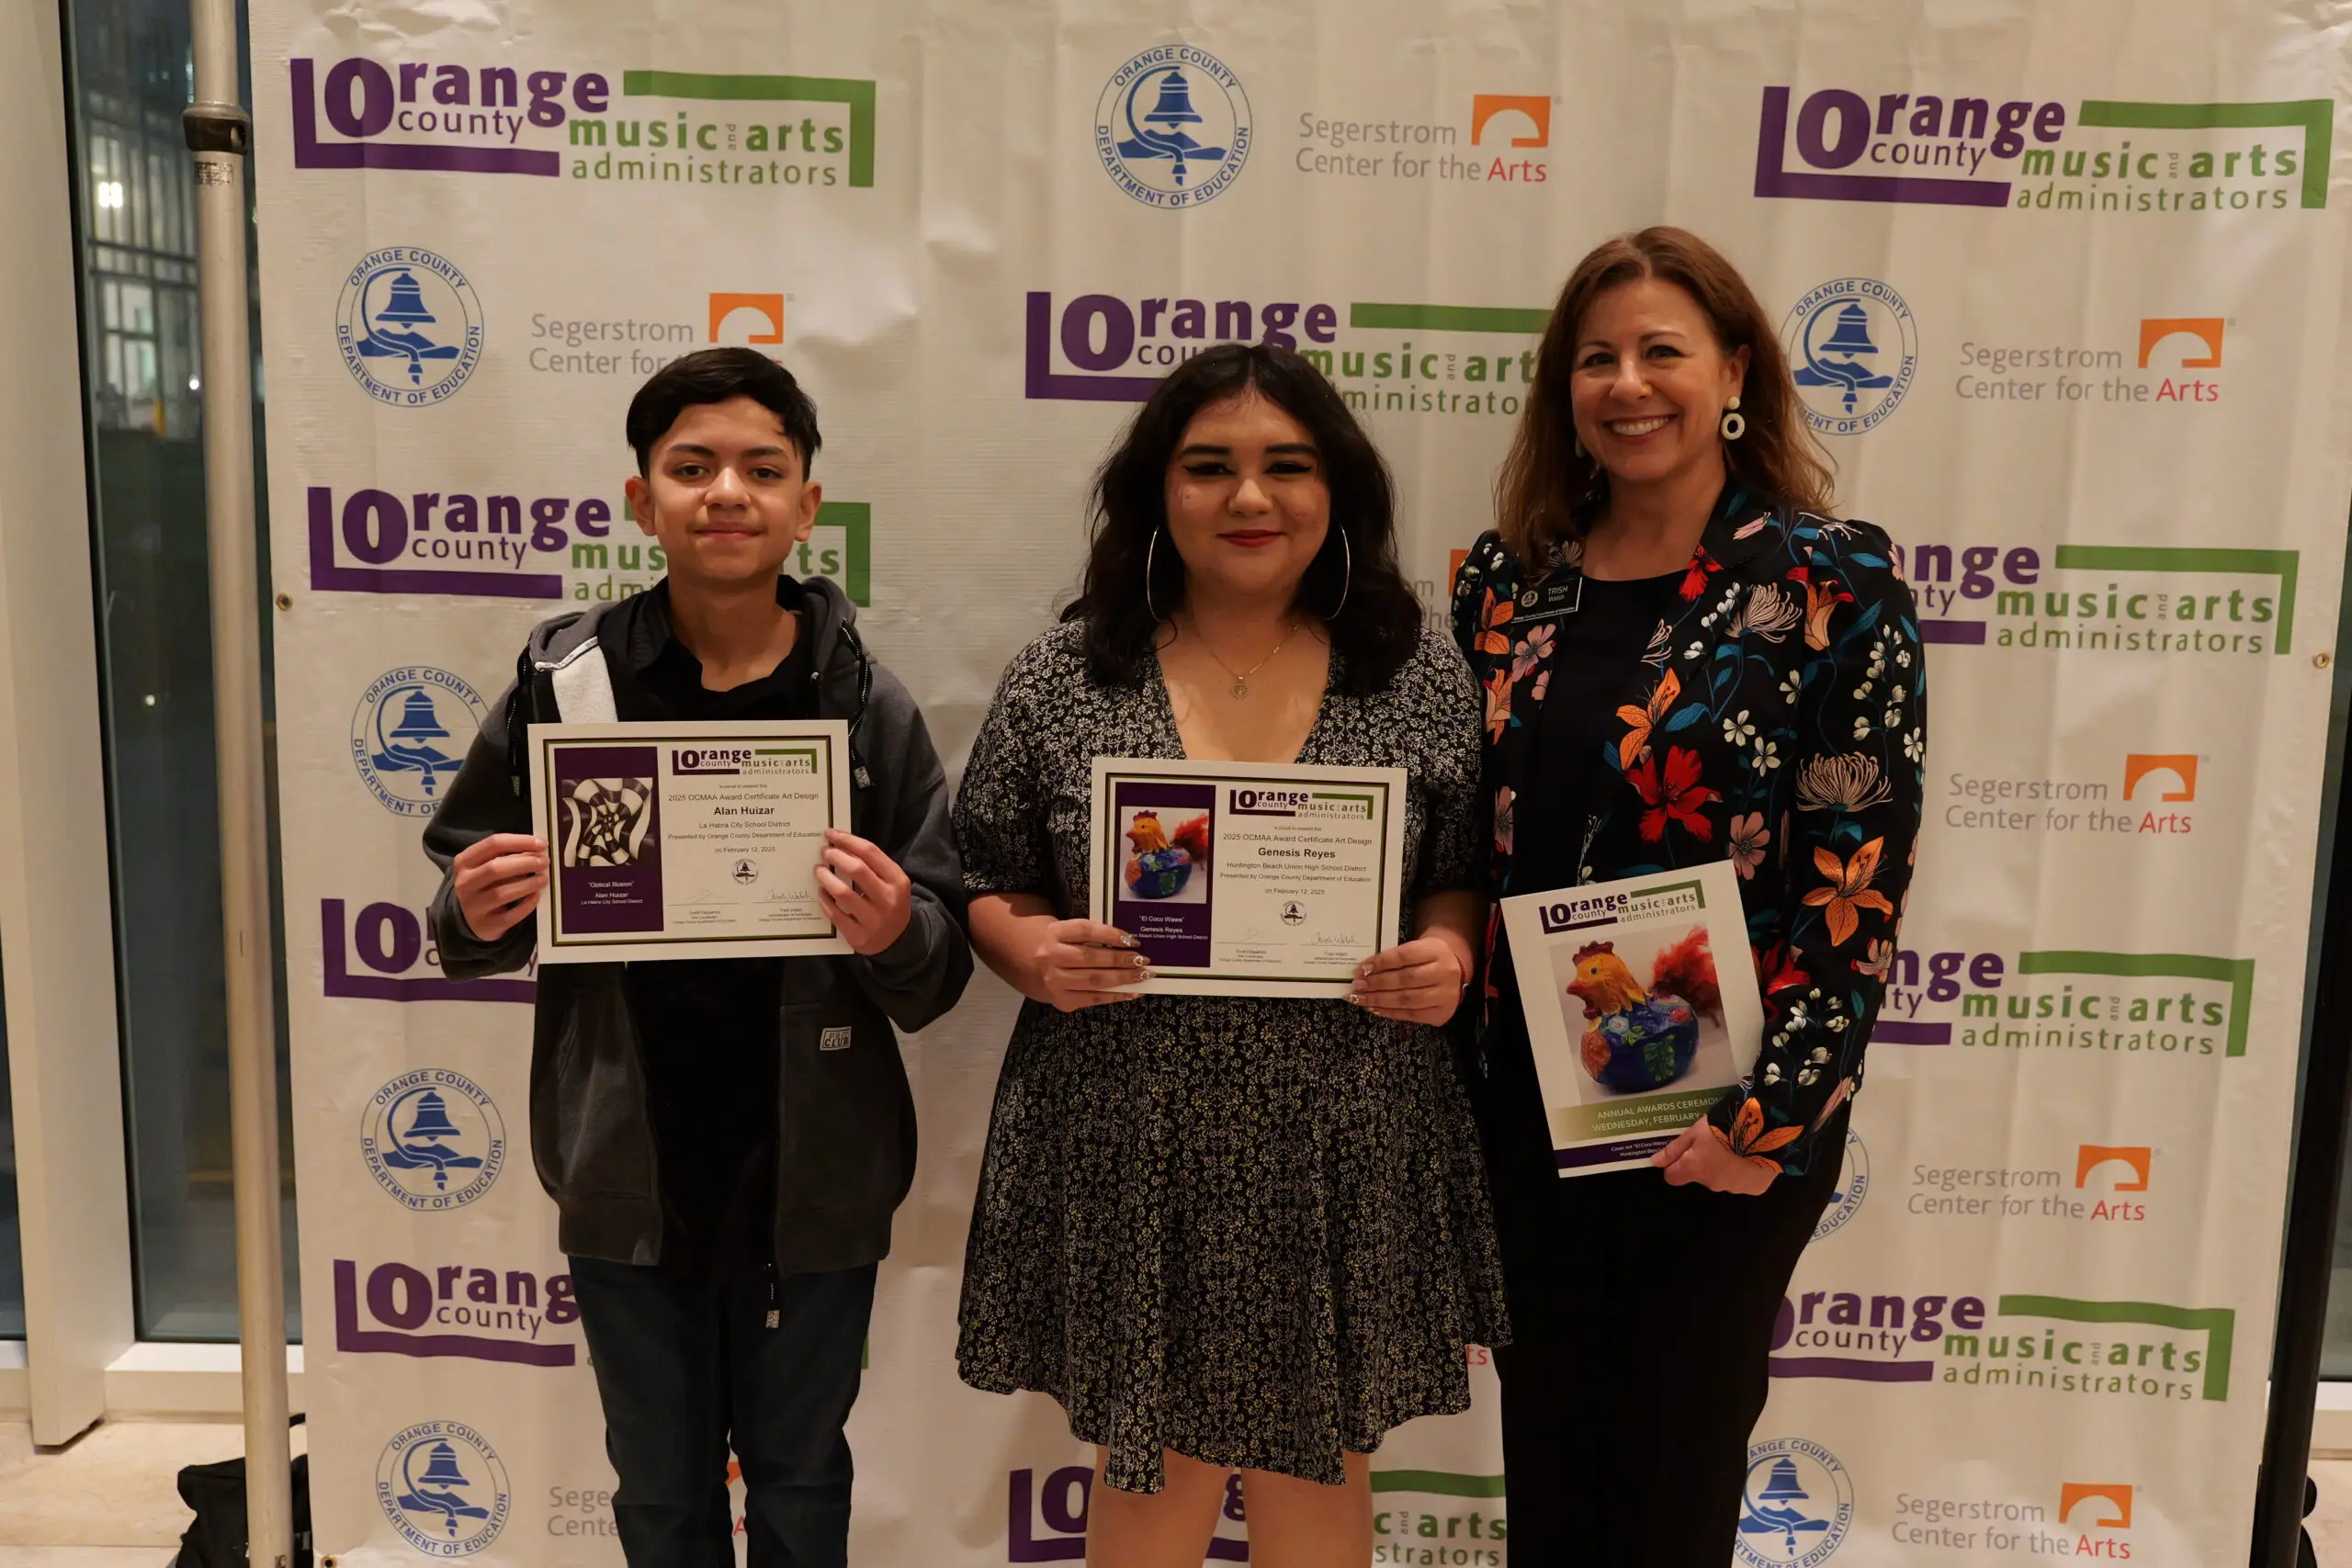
[
  {"x": 686, "y": 841},
  {"x": 1243, "y": 879}
]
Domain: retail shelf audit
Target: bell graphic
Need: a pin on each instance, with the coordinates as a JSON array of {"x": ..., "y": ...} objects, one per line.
[
  {"x": 405, "y": 749},
  {"x": 1849, "y": 337},
  {"x": 1175, "y": 105},
  {"x": 432, "y": 1119},
  {"x": 1769, "y": 1512},
  {"x": 441, "y": 1469},
  {"x": 407, "y": 308},
  {"x": 391, "y": 333},
  {"x": 1852, "y": 332},
  {"x": 1159, "y": 133},
  {"x": 427, "y": 1143}
]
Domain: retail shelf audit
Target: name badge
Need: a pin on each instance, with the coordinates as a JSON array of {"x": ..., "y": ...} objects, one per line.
[{"x": 1550, "y": 602}]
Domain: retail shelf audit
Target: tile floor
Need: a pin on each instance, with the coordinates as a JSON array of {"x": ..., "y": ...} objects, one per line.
[{"x": 109, "y": 1500}]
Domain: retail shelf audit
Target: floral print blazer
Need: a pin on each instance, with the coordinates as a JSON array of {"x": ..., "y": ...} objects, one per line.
[{"x": 1779, "y": 720}]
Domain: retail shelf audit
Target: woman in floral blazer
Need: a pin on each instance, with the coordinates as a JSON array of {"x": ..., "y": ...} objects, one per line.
[{"x": 1685, "y": 658}]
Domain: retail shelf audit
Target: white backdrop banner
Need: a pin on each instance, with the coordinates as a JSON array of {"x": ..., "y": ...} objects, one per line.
[{"x": 2064, "y": 287}]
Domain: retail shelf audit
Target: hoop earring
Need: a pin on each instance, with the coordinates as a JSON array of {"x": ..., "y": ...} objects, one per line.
[
  {"x": 1150, "y": 564},
  {"x": 1347, "y": 578},
  {"x": 1734, "y": 426}
]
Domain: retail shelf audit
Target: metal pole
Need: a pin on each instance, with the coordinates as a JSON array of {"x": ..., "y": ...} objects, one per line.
[{"x": 220, "y": 134}]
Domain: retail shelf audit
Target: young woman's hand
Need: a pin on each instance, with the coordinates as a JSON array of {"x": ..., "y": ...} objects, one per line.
[
  {"x": 1419, "y": 981},
  {"x": 862, "y": 892},
  {"x": 1699, "y": 1154},
  {"x": 1078, "y": 963}
]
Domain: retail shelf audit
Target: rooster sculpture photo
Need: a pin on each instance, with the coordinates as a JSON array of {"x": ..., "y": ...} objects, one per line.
[
  {"x": 1639, "y": 1038},
  {"x": 1162, "y": 863}
]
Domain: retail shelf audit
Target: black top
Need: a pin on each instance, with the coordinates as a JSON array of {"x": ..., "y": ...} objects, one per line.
[
  {"x": 1592, "y": 674},
  {"x": 707, "y": 1028}
]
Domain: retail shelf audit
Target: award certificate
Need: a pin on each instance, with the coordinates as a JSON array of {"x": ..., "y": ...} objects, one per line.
[
  {"x": 1245, "y": 879},
  {"x": 1642, "y": 1007},
  {"x": 686, "y": 841}
]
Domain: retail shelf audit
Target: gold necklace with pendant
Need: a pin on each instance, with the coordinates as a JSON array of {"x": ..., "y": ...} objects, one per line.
[{"x": 1240, "y": 687}]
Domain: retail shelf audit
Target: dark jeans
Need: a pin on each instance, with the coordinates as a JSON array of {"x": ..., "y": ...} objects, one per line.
[
  {"x": 1642, "y": 1321},
  {"x": 685, "y": 1369}
]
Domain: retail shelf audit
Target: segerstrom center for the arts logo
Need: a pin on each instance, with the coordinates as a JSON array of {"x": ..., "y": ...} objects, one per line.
[
  {"x": 657, "y": 127},
  {"x": 2169, "y": 347},
  {"x": 474, "y": 543},
  {"x": 2140, "y": 1005},
  {"x": 2092, "y": 155},
  {"x": 2088, "y": 1519},
  {"x": 1465, "y": 360},
  {"x": 2144, "y": 796},
  {"x": 1492, "y": 152},
  {"x": 2137, "y": 1351},
  {"x": 2153, "y": 600},
  {"x": 2110, "y": 1185}
]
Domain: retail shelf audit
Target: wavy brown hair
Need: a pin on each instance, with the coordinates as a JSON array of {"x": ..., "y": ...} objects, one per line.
[
  {"x": 1549, "y": 488},
  {"x": 1353, "y": 584}
]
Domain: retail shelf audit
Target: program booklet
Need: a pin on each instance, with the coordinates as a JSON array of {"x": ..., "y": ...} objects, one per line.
[{"x": 1642, "y": 1007}]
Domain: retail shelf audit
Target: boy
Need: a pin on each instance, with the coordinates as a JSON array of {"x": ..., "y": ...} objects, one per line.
[{"x": 724, "y": 1139}]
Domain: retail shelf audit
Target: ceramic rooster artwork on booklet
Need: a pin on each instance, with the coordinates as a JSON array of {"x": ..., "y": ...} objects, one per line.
[{"x": 1642, "y": 1007}]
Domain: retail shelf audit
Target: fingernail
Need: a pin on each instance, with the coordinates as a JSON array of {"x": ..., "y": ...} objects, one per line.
[{"x": 1141, "y": 961}]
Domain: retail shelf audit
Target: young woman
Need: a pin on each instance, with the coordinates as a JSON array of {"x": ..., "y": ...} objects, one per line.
[
  {"x": 1686, "y": 659},
  {"x": 1228, "y": 1233}
]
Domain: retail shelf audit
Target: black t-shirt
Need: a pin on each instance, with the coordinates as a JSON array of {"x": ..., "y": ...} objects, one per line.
[
  {"x": 707, "y": 1028},
  {"x": 1597, "y": 656}
]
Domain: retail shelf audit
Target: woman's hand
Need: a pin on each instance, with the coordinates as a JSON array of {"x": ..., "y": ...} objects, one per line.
[
  {"x": 1699, "y": 1154},
  {"x": 1416, "y": 982},
  {"x": 498, "y": 881},
  {"x": 1078, "y": 963}
]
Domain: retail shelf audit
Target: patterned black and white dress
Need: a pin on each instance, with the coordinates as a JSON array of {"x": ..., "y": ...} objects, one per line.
[{"x": 1253, "y": 1231}]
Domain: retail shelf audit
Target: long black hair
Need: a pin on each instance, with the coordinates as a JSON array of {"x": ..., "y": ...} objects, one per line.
[{"x": 1377, "y": 621}]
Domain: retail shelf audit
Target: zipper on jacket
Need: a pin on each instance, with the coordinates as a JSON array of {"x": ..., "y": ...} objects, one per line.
[{"x": 775, "y": 1308}]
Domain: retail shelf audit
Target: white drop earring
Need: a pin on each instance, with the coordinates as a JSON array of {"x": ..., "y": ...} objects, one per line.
[{"x": 1734, "y": 426}]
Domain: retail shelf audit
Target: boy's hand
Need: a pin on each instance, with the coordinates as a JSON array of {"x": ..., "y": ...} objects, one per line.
[
  {"x": 498, "y": 881},
  {"x": 864, "y": 892}
]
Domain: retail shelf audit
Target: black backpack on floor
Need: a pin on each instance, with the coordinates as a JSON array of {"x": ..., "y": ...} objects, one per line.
[{"x": 217, "y": 1537}]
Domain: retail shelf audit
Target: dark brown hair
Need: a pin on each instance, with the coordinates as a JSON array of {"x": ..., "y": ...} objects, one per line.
[
  {"x": 1379, "y": 620},
  {"x": 1549, "y": 488},
  {"x": 713, "y": 376}
]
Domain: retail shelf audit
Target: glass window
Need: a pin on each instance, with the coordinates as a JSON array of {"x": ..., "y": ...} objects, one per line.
[{"x": 131, "y": 75}]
